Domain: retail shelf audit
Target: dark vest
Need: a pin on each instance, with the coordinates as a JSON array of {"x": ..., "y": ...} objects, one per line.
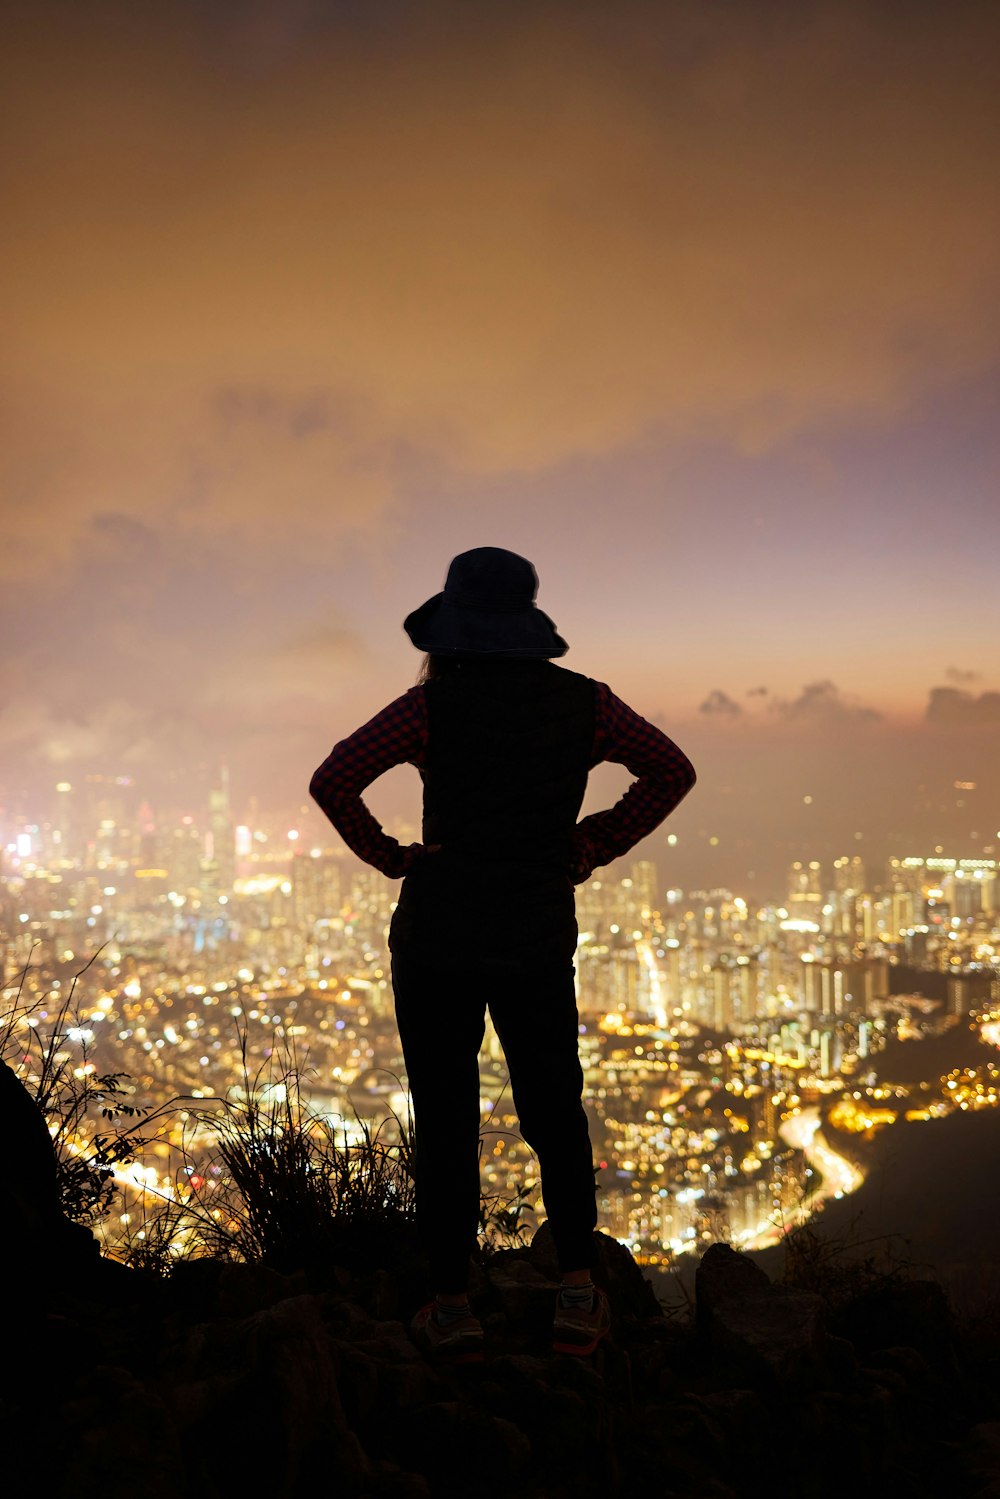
[{"x": 508, "y": 751}]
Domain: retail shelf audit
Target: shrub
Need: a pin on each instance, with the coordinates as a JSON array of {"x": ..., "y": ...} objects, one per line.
[
  {"x": 73, "y": 1098},
  {"x": 285, "y": 1185},
  {"x": 841, "y": 1268}
]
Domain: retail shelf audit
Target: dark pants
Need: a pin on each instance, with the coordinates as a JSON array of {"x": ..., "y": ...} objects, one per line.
[{"x": 440, "y": 1012}]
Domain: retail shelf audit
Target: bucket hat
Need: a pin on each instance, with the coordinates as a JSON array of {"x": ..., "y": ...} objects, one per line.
[{"x": 487, "y": 608}]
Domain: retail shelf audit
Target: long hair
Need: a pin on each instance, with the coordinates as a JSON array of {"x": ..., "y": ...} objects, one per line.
[{"x": 437, "y": 666}]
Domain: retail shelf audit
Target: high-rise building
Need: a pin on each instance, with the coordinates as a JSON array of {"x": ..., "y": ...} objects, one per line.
[
  {"x": 184, "y": 857},
  {"x": 148, "y": 853},
  {"x": 848, "y": 875},
  {"x": 873, "y": 918},
  {"x": 822, "y": 988},
  {"x": 848, "y": 882},
  {"x": 734, "y": 992},
  {"x": 66, "y": 836},
  {"x": 901, "y": 914},
  {"x": 316, "y": 892},
  {"x": 220, "y": 845},
  {"x": 805, "y": 891},
  {"x": 645, "y": 887},
  {"x": 965, "y": 890}
]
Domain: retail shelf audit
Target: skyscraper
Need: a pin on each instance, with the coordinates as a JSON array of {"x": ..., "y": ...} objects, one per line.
[
  {"x": 221, "y": 842},
  {"x": 805, "y": 891}
]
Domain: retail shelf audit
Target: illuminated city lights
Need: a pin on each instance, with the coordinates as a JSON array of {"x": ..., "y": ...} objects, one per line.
[{"x": 727, "y": 1045}]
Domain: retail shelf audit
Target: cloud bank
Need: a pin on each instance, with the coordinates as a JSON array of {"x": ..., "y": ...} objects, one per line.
[
  {"x": 951, "y": 705},
  {"x": 252, "y": 261},
  {"x": 720, "y": 702},
  {"x": 823, "y": 702}
]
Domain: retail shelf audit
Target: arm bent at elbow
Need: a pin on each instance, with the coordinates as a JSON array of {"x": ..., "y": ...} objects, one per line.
[
  {"x": 664, "y": 776},
  {"x": 393, "y": 737}
]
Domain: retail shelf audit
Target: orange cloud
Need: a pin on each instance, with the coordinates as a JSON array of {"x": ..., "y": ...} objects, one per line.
[
  {"x": 823, "y": 703},
  {"x": 952, "y": 705},
  {"x": 501, "y": 241}
]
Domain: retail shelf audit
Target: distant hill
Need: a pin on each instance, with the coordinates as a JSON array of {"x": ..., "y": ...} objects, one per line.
[
  {"x": 922, "y": 1061},
  {"x": 933, "y": 1187}
]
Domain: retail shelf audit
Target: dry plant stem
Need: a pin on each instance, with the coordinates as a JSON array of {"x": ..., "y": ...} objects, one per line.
[
  {"x": 69, "y": 1098},
  {"x": 280, "y": 1184}
]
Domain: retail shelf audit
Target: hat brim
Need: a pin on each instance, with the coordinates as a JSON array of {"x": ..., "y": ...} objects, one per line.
[{"x": 446, "y": 629}]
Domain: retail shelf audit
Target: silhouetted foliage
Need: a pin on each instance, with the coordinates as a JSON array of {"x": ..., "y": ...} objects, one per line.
[
  {"x": 835, "y": 1266},
  {"x": 72, "y": 1096}
]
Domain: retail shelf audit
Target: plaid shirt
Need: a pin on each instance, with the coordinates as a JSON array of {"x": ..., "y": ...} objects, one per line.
[{"x": 398, "y": 736}]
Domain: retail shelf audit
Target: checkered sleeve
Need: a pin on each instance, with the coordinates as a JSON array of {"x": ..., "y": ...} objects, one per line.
[
  {"x": 396, "y": 736},
  {"x": 664, "y": 776}
]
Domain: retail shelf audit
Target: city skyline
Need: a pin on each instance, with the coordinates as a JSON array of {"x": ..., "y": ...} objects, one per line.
[
  {"x": 97, "y": 819},
  {"x": 731, "y": 1049},
  {"x": 695, "y": 310}
]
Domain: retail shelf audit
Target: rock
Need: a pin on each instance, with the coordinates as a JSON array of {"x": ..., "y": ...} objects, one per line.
[
  {"x": 841, "y": 1360},
  {"x": 248, "y": 1383},
  {"x": 115, "y": 1422},
  {"x": 192, "y": 1287},
  {"x": 613, "y": 1267},
  {"x": 345, "y": 1319},
  {"x": 908, "y": 1363},
  {"x": 401, "y": 1386},
  {"x": 390, "y": 1341},
  {"x": 522, "y": 1291},
  {"x": 886, "y": 1379},
  {"x": 983, "y": 1455},
  {"x": 384, "y": 1295},
  {"x": 245, "y": 1289},
  {"x": 455, "y": 1446},
  {"x": 761, "y": 1331},
  {"x": 270, "y": 1384},
  {"x": 38, "y": 1237},
  {"x": 32, "y": 1206},
  {"x": 741, "y": 1414},
  {"x": 562, "y": 1408},
  {"x": 358, "y": 1383},
  {"x": 911, "y": 1314},
  {"x": 725, "y": 1275},
  {"x": 390, "y": 1481}
]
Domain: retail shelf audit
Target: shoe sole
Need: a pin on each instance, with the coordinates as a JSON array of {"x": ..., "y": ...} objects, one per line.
[
  {"x": 583, "y": 1350},
  {"x": 455, "y": 1353},
  {"x": 580, "y": 1349}
]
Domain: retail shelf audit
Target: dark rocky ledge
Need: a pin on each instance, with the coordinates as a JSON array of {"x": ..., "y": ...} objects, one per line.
[{"x": 234, "y": 1379}]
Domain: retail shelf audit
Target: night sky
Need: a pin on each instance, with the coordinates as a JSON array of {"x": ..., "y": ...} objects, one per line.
[{"x": 697, "y": 305}]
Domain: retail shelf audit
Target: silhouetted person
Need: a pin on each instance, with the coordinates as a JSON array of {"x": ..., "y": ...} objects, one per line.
[{"x": 503, "y": 741}]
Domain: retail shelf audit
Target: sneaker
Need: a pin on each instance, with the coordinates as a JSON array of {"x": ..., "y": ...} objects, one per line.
[
  {"x": 459, "y": 1343},
  {"x": 577, "y": 1331}
]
